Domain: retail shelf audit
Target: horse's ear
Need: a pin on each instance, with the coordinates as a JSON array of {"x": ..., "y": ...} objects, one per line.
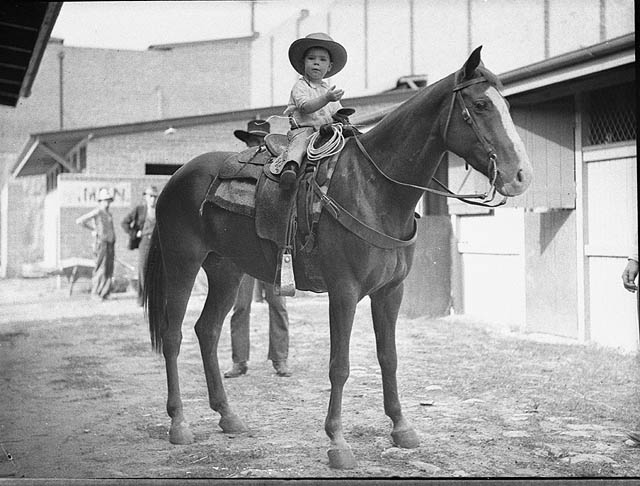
[{"x": 472, "y": 63}]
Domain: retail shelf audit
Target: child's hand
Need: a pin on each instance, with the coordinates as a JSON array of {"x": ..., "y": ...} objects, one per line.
[{"x": 335, "y": 94}]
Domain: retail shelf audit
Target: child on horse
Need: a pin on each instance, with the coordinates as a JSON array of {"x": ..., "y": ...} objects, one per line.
[{"x": 312, "y": 102}]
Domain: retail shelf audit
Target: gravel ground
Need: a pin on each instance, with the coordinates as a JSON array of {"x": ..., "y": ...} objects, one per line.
[{"x": 83, "y": 396}]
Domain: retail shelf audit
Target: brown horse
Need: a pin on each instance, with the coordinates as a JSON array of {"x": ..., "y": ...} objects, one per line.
[{"x": 379, "y": 179}]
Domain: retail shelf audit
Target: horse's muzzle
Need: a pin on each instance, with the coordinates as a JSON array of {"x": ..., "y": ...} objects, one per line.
[{"x": 520, "y": 182}]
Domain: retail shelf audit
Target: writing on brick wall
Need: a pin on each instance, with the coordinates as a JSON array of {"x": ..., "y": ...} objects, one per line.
[{"x": 85, "y": 193}]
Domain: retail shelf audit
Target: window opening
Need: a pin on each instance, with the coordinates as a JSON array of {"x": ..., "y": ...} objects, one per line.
[
  {"x": 611, "y": 115},
  {"x": 161, "y": 169},
  {"x": 52, "y": 177}
]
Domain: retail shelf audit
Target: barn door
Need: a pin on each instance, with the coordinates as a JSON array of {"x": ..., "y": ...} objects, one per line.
[{"x": 611, "y": 214}]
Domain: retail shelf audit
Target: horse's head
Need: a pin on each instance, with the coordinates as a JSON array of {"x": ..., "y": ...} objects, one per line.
[{"x": 479, "y": 129}]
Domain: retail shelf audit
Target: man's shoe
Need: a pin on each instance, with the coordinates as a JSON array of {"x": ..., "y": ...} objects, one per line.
[
  {"x": 634, "y": 436},
  {"x": 236, "y": 370},
  {"x": 281, "y": 368}
]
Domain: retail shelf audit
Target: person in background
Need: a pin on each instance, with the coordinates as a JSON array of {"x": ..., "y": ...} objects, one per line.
[
  {"x": 240, "y": 318},
  {"x": 139, "y": 224},
  {"x": 630, "y": 273},
  {"x": 629, "y": 276},
  {"x": 100, "y": 222}
]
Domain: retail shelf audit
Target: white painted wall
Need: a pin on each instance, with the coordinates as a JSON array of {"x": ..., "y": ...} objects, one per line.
[{"x": 512, "y": 33}]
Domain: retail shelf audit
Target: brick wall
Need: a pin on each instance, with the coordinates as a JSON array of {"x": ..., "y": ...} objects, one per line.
[{"x": 109, "y": 87}]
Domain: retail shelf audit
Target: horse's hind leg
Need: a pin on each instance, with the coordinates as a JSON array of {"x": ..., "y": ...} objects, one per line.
[
  {"x": 223, "y": 279},
  {"x": 180, "y": 277},
  {"x": 385, "y": 305}
]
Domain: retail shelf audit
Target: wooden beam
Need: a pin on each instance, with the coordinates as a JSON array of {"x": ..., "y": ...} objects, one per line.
[
  {"x": 57, "y": 158},
  {"x": 84, "y": 141}
]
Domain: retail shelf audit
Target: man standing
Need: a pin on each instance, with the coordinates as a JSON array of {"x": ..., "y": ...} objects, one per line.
[
  {"x": 139, "y": 224},
  {"x": 100, "y": 222},
  {"x": 629, "y": 277},
  {"x": 278, "y": 318}
]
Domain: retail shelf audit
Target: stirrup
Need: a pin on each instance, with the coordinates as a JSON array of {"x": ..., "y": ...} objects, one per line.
[{"x": 287, "y": 285}]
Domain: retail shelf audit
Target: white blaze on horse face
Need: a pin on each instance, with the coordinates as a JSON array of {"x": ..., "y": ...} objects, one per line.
[{"x": 517, "y": 181}]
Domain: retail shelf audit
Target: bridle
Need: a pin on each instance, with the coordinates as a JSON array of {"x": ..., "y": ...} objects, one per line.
[{"x": 492, "y": 170}]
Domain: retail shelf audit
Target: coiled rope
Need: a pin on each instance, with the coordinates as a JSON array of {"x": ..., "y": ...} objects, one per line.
[{"x": 331, "y": 147}]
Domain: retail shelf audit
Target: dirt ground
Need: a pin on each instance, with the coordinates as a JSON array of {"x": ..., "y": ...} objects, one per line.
[{"x": 83, "y": 396}]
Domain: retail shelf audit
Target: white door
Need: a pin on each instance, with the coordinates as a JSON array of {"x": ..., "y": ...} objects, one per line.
[{"x": 611, "y": 215}]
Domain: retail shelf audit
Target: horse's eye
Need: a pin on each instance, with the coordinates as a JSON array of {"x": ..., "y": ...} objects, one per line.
[{"x": 481, "y": 105}]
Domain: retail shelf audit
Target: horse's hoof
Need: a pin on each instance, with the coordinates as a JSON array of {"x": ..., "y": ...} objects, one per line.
[
  {"x": 407, "y": 439},
  {"x": 180, "y": 435},
  {"x": 232, "y": 424},
  {"x": 341, "y": 458}
]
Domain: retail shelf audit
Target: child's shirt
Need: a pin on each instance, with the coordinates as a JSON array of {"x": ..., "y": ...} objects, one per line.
[{"x": 304, "y": 91}]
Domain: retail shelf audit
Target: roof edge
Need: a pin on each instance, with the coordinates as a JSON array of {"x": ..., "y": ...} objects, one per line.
[
  {"x": 51, "y": 14},
  {"x": 165, "y": 47},
  {"x": 594, "y": 52}
]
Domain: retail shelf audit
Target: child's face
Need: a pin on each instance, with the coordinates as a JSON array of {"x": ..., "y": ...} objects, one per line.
[{"x": 317, "y": 62}]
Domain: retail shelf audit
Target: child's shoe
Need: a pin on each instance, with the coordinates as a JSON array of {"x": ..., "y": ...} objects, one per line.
[{"x": 288, "y": 175}]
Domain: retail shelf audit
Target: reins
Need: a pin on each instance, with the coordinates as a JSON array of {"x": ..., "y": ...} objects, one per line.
[{"x": 488, "y": 196}]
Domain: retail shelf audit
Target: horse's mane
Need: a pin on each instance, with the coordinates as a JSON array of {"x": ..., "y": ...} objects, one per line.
[{"x": 392, "y": 117}]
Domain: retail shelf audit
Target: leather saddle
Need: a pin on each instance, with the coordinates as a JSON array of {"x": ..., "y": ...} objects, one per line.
[{"x": 285, "y": 220}]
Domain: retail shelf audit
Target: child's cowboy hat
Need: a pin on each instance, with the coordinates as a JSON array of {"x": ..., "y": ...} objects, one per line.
[
  {"x": 255, "y": 128},
  {"x": 104, "y": 194},
  {"x": 319, "y": 39}
]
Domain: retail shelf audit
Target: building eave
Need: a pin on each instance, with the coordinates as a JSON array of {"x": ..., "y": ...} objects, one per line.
[
  {"x": 27, "y": 27},
  {"x": 573, "y": 65}
]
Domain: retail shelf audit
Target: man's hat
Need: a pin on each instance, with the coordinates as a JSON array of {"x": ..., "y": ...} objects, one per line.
[
  {"x": 104, "y": 194},
  {"x": 319, "y": 39},
  {"x": 151, "y": 190},
  {"x": 255, "y": 128}
]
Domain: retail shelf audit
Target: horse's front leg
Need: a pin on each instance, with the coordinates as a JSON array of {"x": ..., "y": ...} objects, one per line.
[
  {"x": 342, "y": 307},
  {"x": 385, "y": 305}
]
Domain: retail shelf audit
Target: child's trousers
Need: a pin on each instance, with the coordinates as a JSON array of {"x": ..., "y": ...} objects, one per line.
[{"x": 298, "y": 142}]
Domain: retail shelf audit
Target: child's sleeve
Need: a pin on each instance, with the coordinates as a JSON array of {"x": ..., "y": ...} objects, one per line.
[{"x": 300, "y": 95}]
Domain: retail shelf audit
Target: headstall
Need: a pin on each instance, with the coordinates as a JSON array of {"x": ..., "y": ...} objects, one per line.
[{"x": 492, "y": 170}]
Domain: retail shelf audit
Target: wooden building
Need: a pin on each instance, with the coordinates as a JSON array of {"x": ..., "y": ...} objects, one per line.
[{"x": 551, "y": 261}]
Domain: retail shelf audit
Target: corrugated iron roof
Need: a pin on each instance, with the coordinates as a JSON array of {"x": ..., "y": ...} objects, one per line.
[{"x": 25, "y": 28}]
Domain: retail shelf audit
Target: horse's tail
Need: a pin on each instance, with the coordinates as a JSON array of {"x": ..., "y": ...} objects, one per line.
[{"x": 154, "y": 292}]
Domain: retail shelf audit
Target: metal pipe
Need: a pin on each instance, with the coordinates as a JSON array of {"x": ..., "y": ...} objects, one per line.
[
  {"x": 271, "y": 80},
  {"x": 366, "y": 44},
  {"x": 546, "y": 29},
  {"x": 411, "y": 38},
  {"x": 469, "y": 31},
  {"x": 61, "y": 87},
  {"x": 603, "y": 20},
  {"x": 304, "y": 13},
  {"x": 253, "y": 17}
]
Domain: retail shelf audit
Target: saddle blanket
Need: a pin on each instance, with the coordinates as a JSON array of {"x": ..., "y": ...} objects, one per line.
[{"x": 236, "y": 195}]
